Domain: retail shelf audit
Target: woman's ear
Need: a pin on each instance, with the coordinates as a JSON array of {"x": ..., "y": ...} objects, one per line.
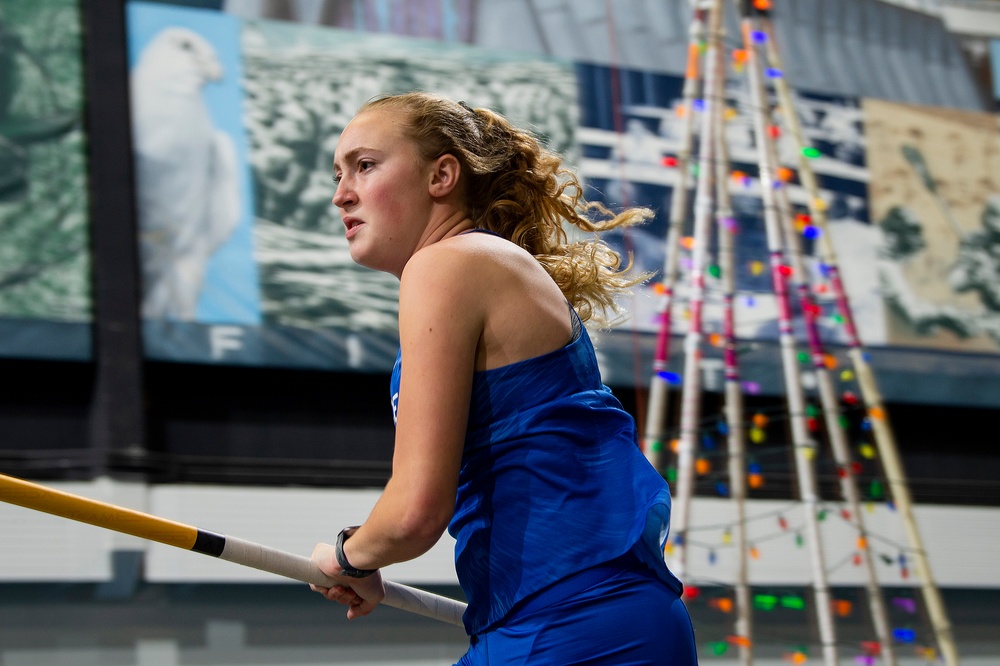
[{"x": 444, "y": 175}]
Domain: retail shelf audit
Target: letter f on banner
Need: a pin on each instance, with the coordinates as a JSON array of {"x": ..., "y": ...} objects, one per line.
[{"x": 224, "y": 339}]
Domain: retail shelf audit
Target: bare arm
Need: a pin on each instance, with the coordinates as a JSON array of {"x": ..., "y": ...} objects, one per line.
[{"x": 440, "y": 323}]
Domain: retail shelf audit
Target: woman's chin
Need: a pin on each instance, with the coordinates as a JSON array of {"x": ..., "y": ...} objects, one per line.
[
  {"x": 367, "y": 260},
  {"x": 358, "y": 254}
]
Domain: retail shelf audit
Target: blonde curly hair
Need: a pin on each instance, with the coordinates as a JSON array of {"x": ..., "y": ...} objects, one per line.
[{"x": 517, "y": 188}]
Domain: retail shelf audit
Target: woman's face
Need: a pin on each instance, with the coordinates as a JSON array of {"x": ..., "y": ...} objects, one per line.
[{"x": 382, "y": 190}]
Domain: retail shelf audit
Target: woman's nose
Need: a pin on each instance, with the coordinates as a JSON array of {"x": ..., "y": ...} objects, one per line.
[{"x": 343, "y": 196}]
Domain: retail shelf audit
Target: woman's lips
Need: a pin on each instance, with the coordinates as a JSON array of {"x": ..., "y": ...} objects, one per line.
[{"x": 352, "y": 224}]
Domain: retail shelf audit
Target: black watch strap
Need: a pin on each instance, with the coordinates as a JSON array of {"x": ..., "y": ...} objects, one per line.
[{"x": 345, "y": 567}]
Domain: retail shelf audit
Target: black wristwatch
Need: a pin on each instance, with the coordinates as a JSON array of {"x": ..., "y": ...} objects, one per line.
[{"x": 345, "y": 567}]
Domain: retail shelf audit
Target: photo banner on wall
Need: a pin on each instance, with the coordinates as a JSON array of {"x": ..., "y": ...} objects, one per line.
[
  {"x": 245, "y": 259},
  {"x": 45, "y": 288},
  {"x": 626, "y": 160},
  {"x": 193, "y": 188},
  {"x": 235, "y": 123},
  {"x": 937, "y": 204}
]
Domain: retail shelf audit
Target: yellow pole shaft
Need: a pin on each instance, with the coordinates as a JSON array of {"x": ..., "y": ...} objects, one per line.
[
  {"x": 85, "y": 510},
  {"x": 145, "y": 526}
]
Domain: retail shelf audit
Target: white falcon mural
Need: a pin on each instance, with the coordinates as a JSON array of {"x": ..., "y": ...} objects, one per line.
[{"x": 187, "y": 178}]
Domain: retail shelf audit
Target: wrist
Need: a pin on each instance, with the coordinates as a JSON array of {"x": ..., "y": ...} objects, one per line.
[{"x": 346, "y": 569}]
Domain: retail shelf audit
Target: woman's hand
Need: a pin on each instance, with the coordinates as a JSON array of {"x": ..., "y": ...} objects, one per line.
[{"x": 360, "y": 595}]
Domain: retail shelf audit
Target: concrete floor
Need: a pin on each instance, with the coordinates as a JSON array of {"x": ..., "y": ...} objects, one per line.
[{"x": 223, "y": 625}]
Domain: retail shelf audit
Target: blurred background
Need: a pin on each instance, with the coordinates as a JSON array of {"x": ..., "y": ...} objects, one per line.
[{"x": 182, "y": 330}]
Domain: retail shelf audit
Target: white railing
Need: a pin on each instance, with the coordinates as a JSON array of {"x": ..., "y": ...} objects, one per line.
[
  {"x": 984, "y": 5},
  {"x": 938, "y": 6},
  {"x": 926, "y": 6}
]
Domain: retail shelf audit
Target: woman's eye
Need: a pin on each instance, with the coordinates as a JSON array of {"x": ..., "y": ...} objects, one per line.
[{"x": 364, "y": 165}]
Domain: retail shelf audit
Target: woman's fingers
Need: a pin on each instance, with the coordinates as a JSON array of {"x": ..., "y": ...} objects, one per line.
[
  {"x": 325, "y": 557},
  {"x": 371, "y": 592},
  {"x": 361, "y": 608},
  {"x": 343, "y": 595},
  {"x": 365, "y": 593}
]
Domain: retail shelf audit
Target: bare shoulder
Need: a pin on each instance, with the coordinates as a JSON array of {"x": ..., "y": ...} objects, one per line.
[
  {"x": 471, "y": 264},
  {"x": 444, "y": 279},
  {"x": 496, "y": 287}
]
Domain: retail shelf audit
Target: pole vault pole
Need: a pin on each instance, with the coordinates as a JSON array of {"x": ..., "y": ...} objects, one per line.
[
  {"x": 247, "y": 553},
  {"x": 805, "y": 447},
  {"x": 656, "y": 411},
  {"x": 691, "y": 381},
  {"x": 884, "y": 436}
]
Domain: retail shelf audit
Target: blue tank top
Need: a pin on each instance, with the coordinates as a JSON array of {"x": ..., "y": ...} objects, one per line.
[{"x": 552, "y": 482}]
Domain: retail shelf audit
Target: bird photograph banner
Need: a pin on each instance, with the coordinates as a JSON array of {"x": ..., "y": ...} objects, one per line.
[
  {"x": 235, "y": 123},
  {"x": 193, "y": 189},
  {"x": 45, "y": 294}
]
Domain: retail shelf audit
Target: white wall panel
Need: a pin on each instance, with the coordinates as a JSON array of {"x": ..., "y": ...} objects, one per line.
[
  {"x": 293, "y": 520},
  {"x": 38, "y": 547}
]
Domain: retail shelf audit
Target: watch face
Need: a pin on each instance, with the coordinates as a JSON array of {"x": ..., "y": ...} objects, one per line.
[
  {"x": 356, "y": 573},
  {"x": 345, "y": 567}
]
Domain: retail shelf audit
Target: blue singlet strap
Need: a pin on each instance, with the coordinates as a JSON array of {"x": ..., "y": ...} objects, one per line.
[{"x": 480, "y": 230}]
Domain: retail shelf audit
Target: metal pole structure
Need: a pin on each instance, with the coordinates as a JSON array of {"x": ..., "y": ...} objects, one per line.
[
  {"x": 659, "y": 388},
  {"x": 838, "y": 438},
  {"x": 884, "y": 436},
  {"x": 799, "y": 280},
  {"x": 691, "y": 382},
  {"x": 831, "y": 416},
  {"x": 239, "y": 551},
  {"x": 736, "y": 433},
  {"x": 805, "y": 447}
]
